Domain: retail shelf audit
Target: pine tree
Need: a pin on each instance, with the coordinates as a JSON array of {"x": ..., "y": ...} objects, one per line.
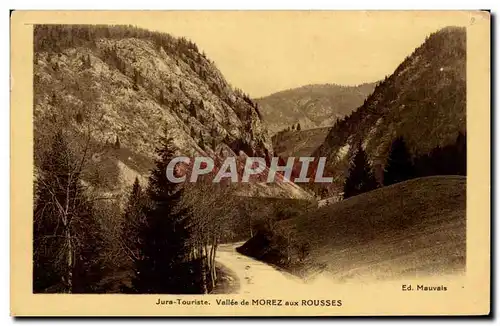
[
  {"x": 298, "y": 127},
  {"x": 117, "y": 143},
  {"x": 164, "y": 237},
  {"x": 360, "y": 177},
  {"x": 162, "y": 97},
  {"x": 448, "y": 160},
  {"x": 54, "y": 100},
  {"x": 79, "y": 118},
  {"x": 137, "y": 79},
  {"x": 66, "y": 236},
  {"x": 86, "y": 62},
  {"x": 399, "y": 166},
  {"x": 201, "y": 142},
  {"x": 214, "y": 143},
  {"x": 192, "y": 109},
  {"x": 133, "y": 219}
]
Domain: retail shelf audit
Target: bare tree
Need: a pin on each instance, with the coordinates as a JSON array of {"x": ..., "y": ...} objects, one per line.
[
  {"x": 66, "y": 235},
  {"x": 214, "y": 209}
]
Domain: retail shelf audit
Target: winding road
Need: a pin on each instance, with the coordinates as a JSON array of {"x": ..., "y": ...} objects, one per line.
[{"x": 256, "y": 277}]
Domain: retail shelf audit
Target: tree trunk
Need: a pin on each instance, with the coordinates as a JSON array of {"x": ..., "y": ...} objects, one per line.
[
  {"x": 69, "y": 261},
  {"x": 250, "y": 225},
  {"x": 209, "y": 270},
  {"x": 212, "y": 270},
  {"x": 207, "y": 267},
  {"x": 204, "y": 274}
]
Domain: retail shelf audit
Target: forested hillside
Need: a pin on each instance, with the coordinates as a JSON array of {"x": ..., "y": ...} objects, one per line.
[
  {"x": 127, "y": 84},
  {"x": 298, "y": 142},
  {"x": 112, "y": 106},
  {"x": 422, "y": 102},
  {"x": 311, "y": 106}
]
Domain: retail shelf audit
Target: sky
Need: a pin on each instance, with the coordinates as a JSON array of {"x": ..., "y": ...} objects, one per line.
[{"x": 263, "y": 52}]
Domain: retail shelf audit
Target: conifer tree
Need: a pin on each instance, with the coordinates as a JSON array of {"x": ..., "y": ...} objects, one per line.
[
  {"x": 214, "y": 143},
  {"x": 448, "y": 160},
  {"x": 164, "y": 237},
  {"x": 133, "y": 219},
  {"x": 201, "y": 142},
  {"x": 79, "y": 118},
  {"x": 298, "y": 127},
  {"x": 192, "y": 109},
  {"x": 360, "y": 177},
  {"x": 399, "y": 166},
  {"x": 86, "y": 62},
  {"x": 117, "y": 143},
  {"x": 162, "y": 97},
  {"x": 137, "y": 79}
]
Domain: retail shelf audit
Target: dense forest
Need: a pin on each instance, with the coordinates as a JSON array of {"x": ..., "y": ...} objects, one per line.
[
  {"x": 448, "y": 160},
  {"x": 163, "y": 241}
]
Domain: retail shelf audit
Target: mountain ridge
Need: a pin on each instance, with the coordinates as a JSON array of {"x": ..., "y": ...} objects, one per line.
[
  {"x": 313, "y": 106},
  {"x": 423, "y": 101},
  {"x": 121, "y": 86}
]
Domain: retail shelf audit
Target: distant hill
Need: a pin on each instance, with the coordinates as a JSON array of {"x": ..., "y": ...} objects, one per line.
[
  {"x": 299, "y": 143},
  {"x": 312, "y": 106},
  {"x": 412, "y": 229},
  {"x": 423, "y": 100}
]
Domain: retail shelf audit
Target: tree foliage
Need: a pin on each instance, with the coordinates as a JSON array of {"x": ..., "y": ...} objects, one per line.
[
  {"x": 133, "y": 219},
  {"x": 399, "y": 165},
  {"x": 56, "y": 38},
  {"x": 447, "y": 160},
  {"x": 360, "y": 177},
  {"x": 66, "y": 235},
  {"x": 164, "y": 266},
  {"x": 214, "y": 212}
]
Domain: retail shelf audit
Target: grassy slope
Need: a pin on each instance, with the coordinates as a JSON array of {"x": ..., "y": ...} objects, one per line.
[
  {"x": 412, "y": 229},
  {"x": 299, "y": 143}
]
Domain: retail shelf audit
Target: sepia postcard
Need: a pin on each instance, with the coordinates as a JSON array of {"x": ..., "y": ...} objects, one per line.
[{"x": 250, "y": 163}]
